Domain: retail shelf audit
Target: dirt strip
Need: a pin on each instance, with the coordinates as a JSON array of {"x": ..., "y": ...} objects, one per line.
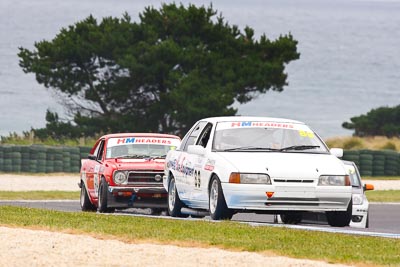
[
  {"x": 41, "y": 248},
  {"x": 20, "y": 247}
]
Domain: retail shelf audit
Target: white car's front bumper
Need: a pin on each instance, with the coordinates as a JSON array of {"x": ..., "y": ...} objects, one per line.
[
  {"x": 359, "y": 217},
  {"x": 285, "y": 198}
]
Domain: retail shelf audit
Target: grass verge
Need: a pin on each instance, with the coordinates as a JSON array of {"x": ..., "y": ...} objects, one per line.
[
  {"x": 383, "y": 196},
  {"x": 38, "y": 195},
  {"x": 379, "y": 178},
  {"x": 333, "y": 248}
]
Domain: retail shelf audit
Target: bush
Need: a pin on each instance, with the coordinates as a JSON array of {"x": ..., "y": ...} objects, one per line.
[
  {"x": 353, "y": 143},
  {"x": 383, "y": 121},
  {"x": 389, "y": 146}
]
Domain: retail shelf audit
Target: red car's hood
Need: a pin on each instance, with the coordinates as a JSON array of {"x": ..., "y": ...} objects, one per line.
[{"x": 137, "y": 164}]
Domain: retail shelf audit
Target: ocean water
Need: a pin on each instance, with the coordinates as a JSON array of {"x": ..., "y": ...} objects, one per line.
[{"x": 349, "y": 63}]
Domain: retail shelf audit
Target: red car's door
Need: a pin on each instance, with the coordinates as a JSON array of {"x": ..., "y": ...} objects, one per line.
[{"x": 92, "y": 167}]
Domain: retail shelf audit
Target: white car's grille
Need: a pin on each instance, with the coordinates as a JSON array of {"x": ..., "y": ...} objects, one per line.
[{"x": 293, "y": 181}]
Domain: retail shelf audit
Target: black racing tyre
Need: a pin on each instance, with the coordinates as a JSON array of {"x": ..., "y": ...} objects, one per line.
[
  {"x": 367, "y": 222},
  {"x": 86, "y": 205},
  {"x": 217, "y": 204},
  {"x": 378, "y": 168},
  {"x": 366, "y": 173},
  {"x": 351, "y": 157},
  {"x": 340, "y": 218},
  {"x": 379, "y": 158},
  {"x": 351, "y": 153},
  {"x": 378, "y": 162},
  {"x": 102, "y": 200},
  {"x": 174, "y": 203},
  {"x": 197, "y": 216},
  {"x": 291, "y": 218},
  {"x": 156, "y": 211}
]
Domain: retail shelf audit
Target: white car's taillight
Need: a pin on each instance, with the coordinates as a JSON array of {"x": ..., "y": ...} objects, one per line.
[
  {"x": 334, "y": 180},
  {"x": 249, "y": 178},
  {"x": 120, "y": 177}
]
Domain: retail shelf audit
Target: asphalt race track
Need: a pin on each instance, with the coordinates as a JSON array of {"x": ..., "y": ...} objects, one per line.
[{"x": 384, "y": 218}]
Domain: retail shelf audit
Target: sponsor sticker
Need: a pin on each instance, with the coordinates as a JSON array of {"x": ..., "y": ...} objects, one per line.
[
  {"x": 209, "y": 166},
  {"x": 262, "y": 124},
  {"x": 143, "y": 140}
]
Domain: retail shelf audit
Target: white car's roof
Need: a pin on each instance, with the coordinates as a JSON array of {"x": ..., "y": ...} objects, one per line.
[{"x": 249, "y": 118}]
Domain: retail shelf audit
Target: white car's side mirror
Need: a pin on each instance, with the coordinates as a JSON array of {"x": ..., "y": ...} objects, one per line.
[
  {"x": 338, "y": 152},
  {"x": 196, "y": 149}
]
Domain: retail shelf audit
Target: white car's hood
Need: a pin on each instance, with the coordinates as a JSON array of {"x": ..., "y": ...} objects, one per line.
[{"x": 284, "y": 165}]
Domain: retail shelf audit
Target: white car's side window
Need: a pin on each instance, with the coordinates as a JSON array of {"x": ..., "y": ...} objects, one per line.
[
  {"x": 205, "y": 135},
  {"x": 190, "y": 139}
]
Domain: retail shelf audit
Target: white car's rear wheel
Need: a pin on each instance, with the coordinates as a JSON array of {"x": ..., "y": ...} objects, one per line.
[
  {"x": 291, "y": 218},
  {"x": 217, "y": 205}
]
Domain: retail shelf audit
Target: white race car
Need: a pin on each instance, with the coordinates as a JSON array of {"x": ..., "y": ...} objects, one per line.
[
  {"x": 226, "y": 165},
  {"x": 360, "y": 216}
]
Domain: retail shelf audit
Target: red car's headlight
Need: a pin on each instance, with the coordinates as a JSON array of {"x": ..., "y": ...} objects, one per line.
[{"x": 120, "y": 177}]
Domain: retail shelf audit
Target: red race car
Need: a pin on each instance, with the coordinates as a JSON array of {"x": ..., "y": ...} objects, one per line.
[{"x": 126, "y": 171}]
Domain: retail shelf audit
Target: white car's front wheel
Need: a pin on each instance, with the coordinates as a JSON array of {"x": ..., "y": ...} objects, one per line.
[
  {"x": 217, "y": 205},
  {"x": 340, "y": 218},
  {"x": 174, "y": 203}
]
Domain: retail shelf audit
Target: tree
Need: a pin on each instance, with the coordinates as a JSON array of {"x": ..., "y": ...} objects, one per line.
[
  {"x": 177, "y": 65},
  {"x": 384, "y": 121}
]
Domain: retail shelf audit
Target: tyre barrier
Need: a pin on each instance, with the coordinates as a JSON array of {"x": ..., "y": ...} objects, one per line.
[
  {"x": 375, "y": 162},
  {"x": 41, "y": 159},
  {"x": 48, "y": 159}
]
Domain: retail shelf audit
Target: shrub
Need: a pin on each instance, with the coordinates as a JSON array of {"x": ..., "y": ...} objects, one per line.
[
  {"x": 389, "y": 146},
  {"x": 353, "y": 143}
]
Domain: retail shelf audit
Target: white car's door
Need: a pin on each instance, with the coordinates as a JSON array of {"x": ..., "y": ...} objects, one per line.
[
  {"x": 184, "y": 170},
  {"x": 198, "y": 155}
]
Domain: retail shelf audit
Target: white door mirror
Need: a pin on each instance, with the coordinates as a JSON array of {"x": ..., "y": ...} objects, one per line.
[
  {"x": 338, "y": 152},
  {"x": 197, "y": 150}
]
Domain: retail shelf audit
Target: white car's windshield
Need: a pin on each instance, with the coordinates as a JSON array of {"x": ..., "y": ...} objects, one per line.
[
  {"x": 139, "y": 147},
  {"x": 266, "y": 136}
]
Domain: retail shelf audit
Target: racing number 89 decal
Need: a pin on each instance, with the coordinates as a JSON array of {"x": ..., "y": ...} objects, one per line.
[{"x": 197, "y": 178}]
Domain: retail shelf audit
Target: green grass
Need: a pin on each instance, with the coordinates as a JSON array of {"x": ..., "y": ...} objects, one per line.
[
  {"x": 333, "y": 248},
  {"x": 27, "y": 138},
  {"x": 383, "y": 196},
  {"x": 370, "y": 142},
  {"x": 38, "y": 195},
  {"x": 366, "y": 178}
]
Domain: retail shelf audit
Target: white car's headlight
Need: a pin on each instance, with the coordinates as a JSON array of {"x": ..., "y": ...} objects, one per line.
[
  {"x": 249, "y": 178},
  {"x": 120, "y": 177},
  {"x": 334, "y": 180},
  {"x": 357, "y": 199}
]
